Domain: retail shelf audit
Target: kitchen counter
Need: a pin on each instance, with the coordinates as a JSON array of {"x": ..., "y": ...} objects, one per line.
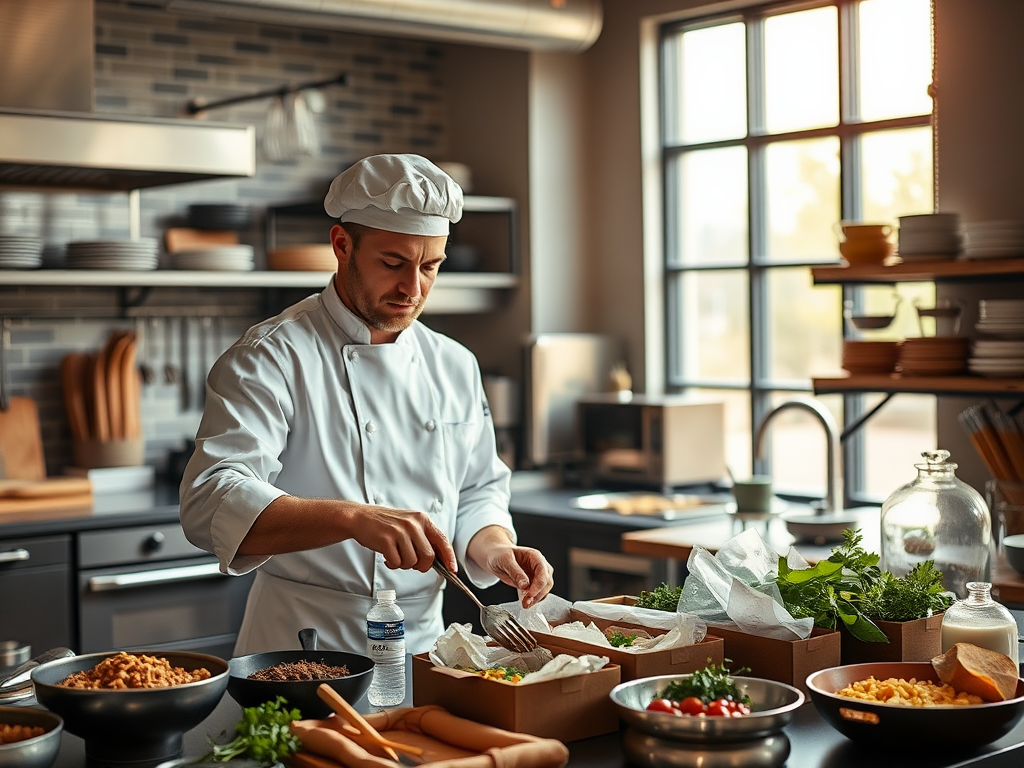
[
  {"x": 813, "y": 743},
  {"x": 109, "y": 510}
]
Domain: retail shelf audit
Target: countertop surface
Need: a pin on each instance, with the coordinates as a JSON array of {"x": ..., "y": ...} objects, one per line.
[{"x": 812, "y": 743}]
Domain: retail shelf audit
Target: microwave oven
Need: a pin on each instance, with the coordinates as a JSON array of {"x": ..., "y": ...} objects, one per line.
[{"x": 660, "y": 441}]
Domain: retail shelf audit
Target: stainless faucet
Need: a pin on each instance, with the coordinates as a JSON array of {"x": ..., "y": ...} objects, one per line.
[{"x": 833, "y": 495}]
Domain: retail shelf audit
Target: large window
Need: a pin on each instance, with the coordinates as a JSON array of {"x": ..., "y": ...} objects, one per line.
[{"x": 777, "y": 123}]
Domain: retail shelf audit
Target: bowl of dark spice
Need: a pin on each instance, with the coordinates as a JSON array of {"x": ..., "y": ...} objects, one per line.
[{"x": 296, "y": 674}]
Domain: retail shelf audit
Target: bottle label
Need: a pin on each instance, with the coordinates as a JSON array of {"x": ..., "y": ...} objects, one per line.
[
  {"x": 385, "y": 630},
  {"x": 385, "y": 641}
]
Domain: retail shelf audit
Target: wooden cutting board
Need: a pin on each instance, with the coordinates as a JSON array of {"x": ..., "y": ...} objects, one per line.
[
  {"x": 46, "y": 504},
  {"x": 45, "y": 489},
  {"x": 21, "y": 443}
]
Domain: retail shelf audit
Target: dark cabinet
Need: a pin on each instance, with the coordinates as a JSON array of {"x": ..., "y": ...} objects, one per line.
[{"x": 36, "y": 592}]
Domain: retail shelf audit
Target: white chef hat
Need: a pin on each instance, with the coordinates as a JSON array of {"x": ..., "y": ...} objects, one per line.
[{"x": 398, "y": 193}]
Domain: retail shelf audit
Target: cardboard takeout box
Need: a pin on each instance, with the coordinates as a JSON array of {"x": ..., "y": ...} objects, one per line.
[
  {"x": 566, "y": 709},
  {"x": 917, "y": 640},
  {"x": 786, "y": 661},
  {"x": 671, "y": 661}
]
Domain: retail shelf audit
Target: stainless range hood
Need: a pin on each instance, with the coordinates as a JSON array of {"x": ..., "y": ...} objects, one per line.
[
  {"x": 74, "y": 150},
  {"x": 49, "y": 138}
]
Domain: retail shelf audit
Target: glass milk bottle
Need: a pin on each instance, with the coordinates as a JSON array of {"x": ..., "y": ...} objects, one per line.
[
  {"x": 937, "y": 517},
  {"x": 980, "y": 620}
]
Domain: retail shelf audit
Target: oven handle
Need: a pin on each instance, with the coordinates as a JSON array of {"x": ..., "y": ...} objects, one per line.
[
  {"x": 14, "y": 555},
  {"x": 150, "y": 578}
]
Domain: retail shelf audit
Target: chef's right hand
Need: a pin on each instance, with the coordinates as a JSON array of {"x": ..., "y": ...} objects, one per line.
[{"x": 406, "y": 538}]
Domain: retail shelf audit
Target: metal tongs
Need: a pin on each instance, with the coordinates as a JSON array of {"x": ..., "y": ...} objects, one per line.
[{"x": 498, "y": 623}]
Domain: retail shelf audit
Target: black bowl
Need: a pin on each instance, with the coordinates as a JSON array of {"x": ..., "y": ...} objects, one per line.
[
  {"x": 915, "y": 728},
  {"x": 141, "y": 726},
  {"x": 1013, "y": 546},
  {"x": 300, "y": 694},
  {"x": 37, "y": 752}
]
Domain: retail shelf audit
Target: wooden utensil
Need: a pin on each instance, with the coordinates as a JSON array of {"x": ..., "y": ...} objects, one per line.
[
  {"x": 101, "y": 421},
  {"x": 21, "y": 442},
  {"x": 116, "y": 347},
  {"x": 130, "y": 390},
  {"x": 347, "y": 712},
  {"x": 73, "y": 368}
]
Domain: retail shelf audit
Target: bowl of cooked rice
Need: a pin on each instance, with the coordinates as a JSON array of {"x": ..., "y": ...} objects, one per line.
[
  {"x": 131, "y": 707},
  {"x": 904, "y": 705}
]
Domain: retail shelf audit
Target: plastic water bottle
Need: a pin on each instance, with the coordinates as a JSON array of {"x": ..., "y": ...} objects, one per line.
[{"x": 385, "y": 644}]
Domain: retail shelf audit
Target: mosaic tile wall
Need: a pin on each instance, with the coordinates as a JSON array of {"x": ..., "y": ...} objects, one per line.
[{"x": 151, "y": 62}]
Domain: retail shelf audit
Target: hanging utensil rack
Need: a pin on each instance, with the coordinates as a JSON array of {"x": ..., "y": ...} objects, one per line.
[{"x": 196, "y": 106}]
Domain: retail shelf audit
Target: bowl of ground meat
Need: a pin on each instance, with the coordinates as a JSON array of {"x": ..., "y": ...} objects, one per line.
[
  {"x": 132, "y": 707},
  {"x": 295, "y": 675},
  {"x": 29, "y": 738}
]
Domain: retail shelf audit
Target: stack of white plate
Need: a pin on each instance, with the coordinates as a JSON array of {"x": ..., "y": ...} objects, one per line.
[
  {"x": 227, "y": 258},
  {"x": 1002, "y": 318},
  {"x": 112, "y": 254},
  {"x": 934, "y": 356},
  {"x": 994, "y": 240},
  {"x": 1002, "y": 358},
  {"x": 18, "y": 252},
  {"x": 929, "y": 236}
]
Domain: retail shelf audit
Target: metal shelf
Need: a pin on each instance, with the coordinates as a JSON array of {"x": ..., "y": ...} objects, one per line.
[{"x": 922, "y": 385}]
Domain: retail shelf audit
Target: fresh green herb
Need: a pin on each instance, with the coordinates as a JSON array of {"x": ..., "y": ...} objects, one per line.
[
  {"x": 713, "y": 682},
  {"x": 830, "y": 591},
  {"x": 904, "y": 598},
  {"x": 264, "y": 734},
  {"x": 849, "y": 589},
  {"x": 620, "y": 639},
  {"x": 662, "y": 598}
]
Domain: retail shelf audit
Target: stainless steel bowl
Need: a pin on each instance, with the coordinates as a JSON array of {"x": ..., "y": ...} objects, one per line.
[
  {"x": 773, "y": 705},
  {"x": 37, "y": 752}
]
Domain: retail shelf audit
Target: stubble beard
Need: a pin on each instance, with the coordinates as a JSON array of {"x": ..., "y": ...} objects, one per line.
[{"x": 374, "y": 311}]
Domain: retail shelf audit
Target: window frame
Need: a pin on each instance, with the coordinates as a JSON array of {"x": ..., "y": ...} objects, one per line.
[{"x": 849, "y": 131}]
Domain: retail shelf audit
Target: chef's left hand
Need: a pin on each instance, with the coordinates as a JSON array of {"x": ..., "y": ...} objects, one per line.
[{"x": 524, "y": 568}]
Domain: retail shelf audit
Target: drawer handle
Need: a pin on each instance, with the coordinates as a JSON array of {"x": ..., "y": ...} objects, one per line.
[
  {"x": 150, "y": 578},
  {"x": 14, "y": 555}
]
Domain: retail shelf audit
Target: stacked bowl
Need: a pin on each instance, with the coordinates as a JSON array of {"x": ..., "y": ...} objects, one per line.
[
  {"x": 929, "y": 236},
  {"x": 861, "y": 243}
]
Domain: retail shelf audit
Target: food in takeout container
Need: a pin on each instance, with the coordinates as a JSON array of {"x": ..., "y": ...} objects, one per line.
[
  {"x": 680, "y": 645},
  {"x": 563, "y": 696}
]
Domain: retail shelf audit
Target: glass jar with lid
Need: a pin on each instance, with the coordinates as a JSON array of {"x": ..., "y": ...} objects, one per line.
[
  {"x": 980, "y": 620},
  {"x": 940, "y": 518}
]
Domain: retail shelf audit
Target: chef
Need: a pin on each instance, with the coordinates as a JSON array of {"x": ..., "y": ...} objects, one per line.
[{"x": 344, "y": 444}]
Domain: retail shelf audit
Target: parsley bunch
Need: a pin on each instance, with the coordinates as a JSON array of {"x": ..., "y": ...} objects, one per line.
[
  {"x": 264, "y": 734},
  {"x": 620, "y": 639},
  {"x": 662, "y": 598}
]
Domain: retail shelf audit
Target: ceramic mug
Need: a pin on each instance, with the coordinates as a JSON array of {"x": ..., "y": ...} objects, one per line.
[{"x": 754, "y": 494}]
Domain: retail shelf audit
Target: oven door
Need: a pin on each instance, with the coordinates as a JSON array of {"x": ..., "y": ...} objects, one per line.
[{"x": 186, "y": 605}]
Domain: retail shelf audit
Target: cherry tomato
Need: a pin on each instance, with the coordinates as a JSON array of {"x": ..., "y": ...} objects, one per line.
[
  {"x": 742, "y": 709},
  {"x": 719, "y": 708},
  {"x": 691, "y": 705},
  {"x": 662, "y": 705}
]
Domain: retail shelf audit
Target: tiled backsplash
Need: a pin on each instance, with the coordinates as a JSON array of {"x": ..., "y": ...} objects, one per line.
[{"x": 150, "y": 62}]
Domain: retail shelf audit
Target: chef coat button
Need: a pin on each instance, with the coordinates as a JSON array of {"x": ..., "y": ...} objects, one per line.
[
  {"x": 370, "y": 427},
  {"x": 378, "y": 499},
  {"x": 435, "y": 506},
  {"x": 431, "y": 426},
  {"x": 353, "y": 354}
]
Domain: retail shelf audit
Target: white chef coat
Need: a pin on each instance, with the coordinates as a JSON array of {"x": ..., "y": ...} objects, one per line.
[{"x": 303, "y": 404}]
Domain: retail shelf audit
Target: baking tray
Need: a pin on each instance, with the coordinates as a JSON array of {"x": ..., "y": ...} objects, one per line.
[{"x": 649, "y": 504}]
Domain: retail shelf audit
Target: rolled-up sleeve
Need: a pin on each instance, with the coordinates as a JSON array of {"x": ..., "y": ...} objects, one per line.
[
  {"x": 229, "y": 480},
  {"x": 484, "y": 494}
]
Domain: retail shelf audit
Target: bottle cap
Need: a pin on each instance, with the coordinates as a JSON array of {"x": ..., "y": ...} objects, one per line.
[{"x": 386, "y": 595}]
